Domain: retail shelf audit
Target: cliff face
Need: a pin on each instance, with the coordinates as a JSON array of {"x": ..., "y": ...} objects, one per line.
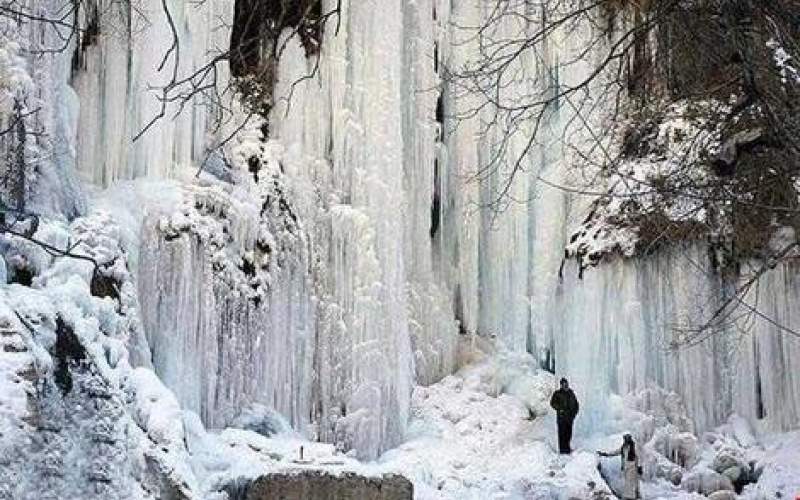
[
  {"x": 697, "y": 234},
  {"x": 710, "y": 102}
]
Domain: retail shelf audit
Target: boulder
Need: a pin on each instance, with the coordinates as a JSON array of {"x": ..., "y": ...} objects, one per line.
[
  {"x": 705, "y": 481},
  {"x": 729, "y": 458},
  {"x": 722, "y": 495},
  {"x": 734, "y": 473},
  {"x": 320, "y": 485}
]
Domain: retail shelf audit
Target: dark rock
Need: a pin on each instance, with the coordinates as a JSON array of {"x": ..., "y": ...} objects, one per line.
[
  {"x": 103, "y": 285},
  {"x": 732, "y": 148},
  {"x": 320, "y": 485},
  {"x": 68, "y": 353},
  {"x": 21, "y": 276}
]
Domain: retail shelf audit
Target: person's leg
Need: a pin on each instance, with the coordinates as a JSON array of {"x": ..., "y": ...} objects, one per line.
[
  {"x": 568, "y": 438},
  {"x": 564, "y": 431},
  {"x": 631, "y": 481},
  {"x": 561, "y": 435}
]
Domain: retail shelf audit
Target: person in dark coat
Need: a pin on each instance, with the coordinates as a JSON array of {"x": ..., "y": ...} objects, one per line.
[{"x": 566, "y": 406}]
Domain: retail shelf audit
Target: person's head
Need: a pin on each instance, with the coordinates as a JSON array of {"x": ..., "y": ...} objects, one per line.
[
  {"x": 627, "y": 438},
  {"x": 564, "y": 384}
]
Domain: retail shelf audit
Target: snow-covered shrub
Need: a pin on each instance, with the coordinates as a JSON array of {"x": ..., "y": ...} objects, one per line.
[
  {"x": 656, "y": 192},
  {"x": 705, "y": 482},
  {"x": 248, "y": 230}
]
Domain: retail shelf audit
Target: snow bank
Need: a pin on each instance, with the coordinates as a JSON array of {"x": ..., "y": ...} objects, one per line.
[
  {"x": 779, "y": 467},
  {"x": 481, "y": 434},
  {"x": 508, "y": 372}
]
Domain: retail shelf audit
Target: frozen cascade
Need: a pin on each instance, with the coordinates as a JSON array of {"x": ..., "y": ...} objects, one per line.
[
  {"x": 623, "y": 316},
  {"x": 366, "y": 135},
  {"x": 361, "y": 147},
  {"x": 383, "y": 319},
  {"x": 336, "y": 372},
  {"x": 397, "y": 256},
  {"x": 115, "y": 75},
  {"x": 217, "y": 349}
]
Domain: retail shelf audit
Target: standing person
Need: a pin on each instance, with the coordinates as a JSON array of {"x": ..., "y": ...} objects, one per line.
[
  {"x": 566, "y": 406},
  {"x": 630, "y": 467}
]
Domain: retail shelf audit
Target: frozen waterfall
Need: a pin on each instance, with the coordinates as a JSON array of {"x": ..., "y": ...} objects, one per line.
[{"x": 390, "y": 253}]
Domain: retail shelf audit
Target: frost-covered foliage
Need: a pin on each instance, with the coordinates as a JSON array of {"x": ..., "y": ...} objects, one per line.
[
  {"x": 248, "y": 237},
  {"x": 38, "y": 113},
  {"x": 85, "y": 425},
  {"x": 15, "y": 82},
  {"x": 709, "y": 105},
  {"x": 659, "y": 192},
  {"x": 18, "y": 149},
  {"x": 785, "y": 63}
]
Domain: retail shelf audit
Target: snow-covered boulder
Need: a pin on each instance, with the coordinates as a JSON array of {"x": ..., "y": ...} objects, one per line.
[
  {"x": 728, "y": 458},
  {"x": 705, "y": 481},
  {"x": 722, "y": 495},
  {"x": 262, "y": 420},
  {"x": 513, "y": 373}
]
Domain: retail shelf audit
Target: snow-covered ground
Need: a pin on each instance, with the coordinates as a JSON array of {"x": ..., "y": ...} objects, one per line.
[
  {"x": 482, "y": 433},
  {"x": 485, "y": 433}
]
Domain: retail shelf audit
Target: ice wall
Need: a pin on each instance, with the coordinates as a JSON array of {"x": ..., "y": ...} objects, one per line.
[
  {"x": 398, "y": 252},
  {"x": 218, "y": 350},
  {"x": 610, "y": 332},
  {"x": 507, "y": 247},
  {"x": 119, "y": 66},
  {"x": 615, "y": 332},
  {"x": 364, "y": 133},
  {"x": 339, "y": 341}
]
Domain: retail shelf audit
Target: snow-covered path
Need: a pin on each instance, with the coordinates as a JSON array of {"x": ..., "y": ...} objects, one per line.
[{"x": 482, "y": 434}]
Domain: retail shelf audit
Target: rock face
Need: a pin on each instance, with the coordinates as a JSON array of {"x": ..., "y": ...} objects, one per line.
[{"x": 316, "y": 485}]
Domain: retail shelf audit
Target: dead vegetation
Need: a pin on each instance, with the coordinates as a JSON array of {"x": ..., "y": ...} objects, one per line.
[{"x": 729, "y": 179}]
